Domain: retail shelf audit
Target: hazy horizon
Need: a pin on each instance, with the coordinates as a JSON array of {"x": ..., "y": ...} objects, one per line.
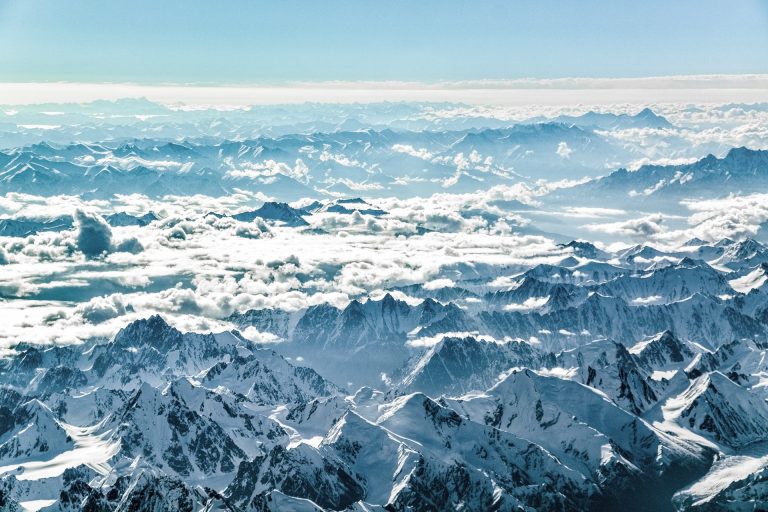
[{"x": 567, "y": 90}]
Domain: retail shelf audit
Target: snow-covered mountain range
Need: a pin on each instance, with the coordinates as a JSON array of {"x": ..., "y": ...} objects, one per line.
[
  {"x": 383, "y": 307},
  {"x": 595, "y": 398}
]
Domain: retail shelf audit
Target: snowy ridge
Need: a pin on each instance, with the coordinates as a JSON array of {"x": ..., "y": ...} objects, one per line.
[{"x": 586, "y": 399}]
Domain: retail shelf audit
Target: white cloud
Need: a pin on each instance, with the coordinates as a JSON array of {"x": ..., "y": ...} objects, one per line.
[
  {"x": 644, "y": 301},
  {"x": 431, "y": 341},
  {"x": 224, "y": 266},
  {"x": 256, "y": 336},
  {"x": 359, "y": 256},
  {"x": 94, "y": 236},
  {"x": 101, "y": 309},
  {"x": 730, "y": 217},
  {"x": 530, "y": 304},
  {"x": 267, "y": 169},
  {"x": 593, "y": 212},
  {"x": 421, "y": 153},
  {"x": 563, "y": 151},
  {"x": 636, "y": 164},
  {"x": 128, "y": 163},
  {"x": 641, "y": 228},
  {"x": 437, "y": 284}
]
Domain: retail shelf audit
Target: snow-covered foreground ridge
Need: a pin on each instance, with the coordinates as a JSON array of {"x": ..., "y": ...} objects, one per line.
[{"x": 634, "y": 379}]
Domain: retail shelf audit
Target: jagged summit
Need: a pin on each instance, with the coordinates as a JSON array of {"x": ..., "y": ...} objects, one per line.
[
  {"x": 597, "y": 379},
  {"x": 280, "y": 213},
  {"x": 153, "y": 331}
]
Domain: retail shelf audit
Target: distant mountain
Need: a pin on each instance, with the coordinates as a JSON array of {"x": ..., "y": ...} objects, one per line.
[
  {"x": 744, "y": 255},
  {"x": 585, "y": 249},
  {"x": 279, "y": 213},
  {"x": 365, "y": 339},
  {"x": 531, "y": 294},
  {"x": 288, "y": 167},
  {"x": 126, "y": 170},
  {"x": 21, "y": 227},
  {"x": 646, "y": 118},
  {"x": 740, "y": 170},
  {"x": 611, "y": 317},
  {"x": 662, "y": 351},
  {"x": 667, "y": 284},
  {"x": 556, "y": 308},
  {"x": 119, "y": 219},
  {"x": 584, "y": 274},
  {"x": 455, "y": 366},
  {"x": 349, "y": 206}
]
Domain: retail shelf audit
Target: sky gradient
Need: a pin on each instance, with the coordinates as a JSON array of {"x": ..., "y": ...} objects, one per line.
[{"x": 259, "y": 42}]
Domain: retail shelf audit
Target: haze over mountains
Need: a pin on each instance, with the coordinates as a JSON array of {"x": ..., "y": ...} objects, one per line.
[{"x": 395, "y": 306}]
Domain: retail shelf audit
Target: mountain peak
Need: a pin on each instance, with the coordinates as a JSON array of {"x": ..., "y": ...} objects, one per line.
[
  {"x": 271, "y": 211},
  {"x": 153, "y": 331}
]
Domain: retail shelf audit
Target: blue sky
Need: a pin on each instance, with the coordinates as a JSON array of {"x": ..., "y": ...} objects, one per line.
[{"x": 259, "y": 42}]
